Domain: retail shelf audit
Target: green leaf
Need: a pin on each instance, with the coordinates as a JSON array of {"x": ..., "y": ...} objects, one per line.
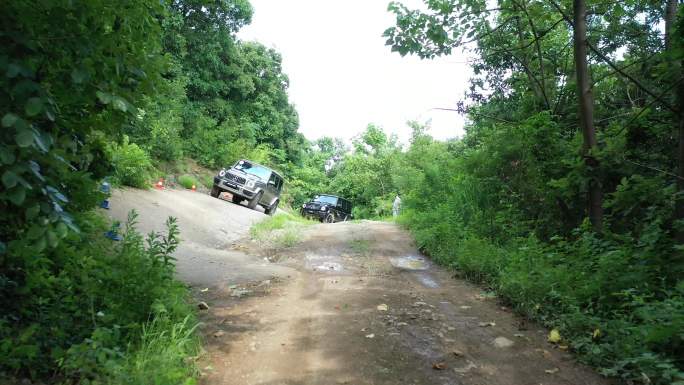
[
  {"x": 61, "y": 230},
  {"x": 120, "y": 104},
  {"x": 6, "y": 155},
  {"x": 78, "y": 75},
  {"x": 104, "y": 97},
  {"x": 35, "y": 169},
  {"x": 34, "y": 106},
  {"x": 52, "y": 239},
  {"x": 12, "y": 70},
  {"x": 9, "y": 119},
  {"x": 24, "y": 137},
  {"x": 9, "y": 179},
  {"x": 40, "y": 244},
  {"x": 35, "y": 232},
  {"x": 32, "y": 212},
  {"x": 43, "y": 140},
  {"x": 17, "y": 195}
]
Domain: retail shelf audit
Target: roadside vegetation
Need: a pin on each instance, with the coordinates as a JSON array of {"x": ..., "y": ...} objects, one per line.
[
  {"x": 568, "y": 204},
  {"x": 282, "y": 230},
  {"x": 565, "y": 202},
  {"x": 92, "y": 92}
]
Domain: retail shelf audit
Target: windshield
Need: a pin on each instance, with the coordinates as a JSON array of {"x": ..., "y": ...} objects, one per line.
[
  {"x": 254, "y": 169},
  {"x": 326, "y": 199}
]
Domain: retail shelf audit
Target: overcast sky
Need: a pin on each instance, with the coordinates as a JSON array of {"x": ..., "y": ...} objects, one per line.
[{"x": 342, "y": 76}]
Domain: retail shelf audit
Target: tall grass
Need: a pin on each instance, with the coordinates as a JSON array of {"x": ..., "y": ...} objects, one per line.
[
  {"x": 164, "y": 356},
  {"x": 282, "y": 230}
]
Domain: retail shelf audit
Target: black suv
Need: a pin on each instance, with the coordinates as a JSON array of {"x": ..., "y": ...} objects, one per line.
[
  {"x": 328, "y": 208},
  {"x": 251, "y": 181}
]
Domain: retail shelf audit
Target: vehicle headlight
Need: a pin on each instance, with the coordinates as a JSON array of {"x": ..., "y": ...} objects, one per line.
[
  {"x": 250, "y": 183},
  {"x": 323, "y": 208},
  {"x": 222, "y": 173},
  {"x": 304, "y": 206}
]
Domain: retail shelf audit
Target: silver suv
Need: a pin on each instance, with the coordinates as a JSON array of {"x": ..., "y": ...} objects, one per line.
[{"x": 247, "y": 180}]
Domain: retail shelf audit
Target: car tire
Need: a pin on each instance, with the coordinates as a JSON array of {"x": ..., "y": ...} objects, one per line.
[
  {"x": 255, "y": 201},
  {"x": 215, "y": 192},
  {"x": 270, "y": 210},
  {"x": 330, "y": 218},
  {"x": 236, "y": 199}
]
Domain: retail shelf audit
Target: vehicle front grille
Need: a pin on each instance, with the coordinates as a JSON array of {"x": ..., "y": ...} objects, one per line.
[{"x": 235, "y": 178}]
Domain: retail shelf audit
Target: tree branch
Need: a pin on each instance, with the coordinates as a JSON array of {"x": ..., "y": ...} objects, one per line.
[{"x": 612, "y": 65}]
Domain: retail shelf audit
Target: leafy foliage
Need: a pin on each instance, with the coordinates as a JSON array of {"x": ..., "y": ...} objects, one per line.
[
  {"x": 506, "y": 204},
  {"x": 87, "y": 303}
]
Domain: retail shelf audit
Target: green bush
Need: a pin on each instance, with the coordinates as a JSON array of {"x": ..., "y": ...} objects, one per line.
[
  {"x": 91, "y": 307},
  {"x": 132, "y": 165},
  {"x": 187, "y": 181},
  {"x": 504, "y": 208}
]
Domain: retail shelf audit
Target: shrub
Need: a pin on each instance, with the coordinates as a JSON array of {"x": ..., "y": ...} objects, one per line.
[
  {"x": 187, "y": 181},
  {"x": 90, "y": 308},
  {"x": 132, "y": 164}
]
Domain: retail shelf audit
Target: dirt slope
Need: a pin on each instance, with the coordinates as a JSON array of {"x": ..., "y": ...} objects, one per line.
[
  {"x": 209, "y": 227},
  {"x": 353, "y": 303}
]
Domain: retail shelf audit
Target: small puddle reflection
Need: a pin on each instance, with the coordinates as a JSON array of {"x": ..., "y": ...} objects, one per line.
[
  {"x": 322, "y": 263},
  {"x": 410, "y": 262},
  {"x": 427, "y": 280},
  {"x": 329, "y": 266}
]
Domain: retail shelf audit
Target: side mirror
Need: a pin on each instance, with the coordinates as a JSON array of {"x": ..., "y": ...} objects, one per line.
[{"x": 272, "y": 182}]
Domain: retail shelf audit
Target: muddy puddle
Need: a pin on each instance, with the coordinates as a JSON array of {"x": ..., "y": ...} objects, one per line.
[{"x": 410, "y": 262}]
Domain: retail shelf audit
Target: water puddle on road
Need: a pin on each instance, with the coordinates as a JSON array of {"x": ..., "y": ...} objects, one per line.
[
  {"x": 426, "y": 280},
  {"x": 323, "y": 264},
  {"x": 410, "y": 262},
  {"x": 418, "y": 265}
]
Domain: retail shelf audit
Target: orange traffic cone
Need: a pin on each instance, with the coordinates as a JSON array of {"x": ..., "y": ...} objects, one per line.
[{"x": 160, "y": 185}]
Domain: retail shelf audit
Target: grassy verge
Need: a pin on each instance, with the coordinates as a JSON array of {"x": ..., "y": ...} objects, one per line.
[
  {"x": 281, "y": 230},
  {"x": 165, "y": 354}
]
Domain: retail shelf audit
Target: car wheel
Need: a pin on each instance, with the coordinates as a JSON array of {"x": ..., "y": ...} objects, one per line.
[
  {"x": 236, "y": 199},
  {"x": 330, "y": 218},
  {"x": 215, "y": 191},
  {"x": 272, "y": 209},
  {"x": 255, "y": 201}
]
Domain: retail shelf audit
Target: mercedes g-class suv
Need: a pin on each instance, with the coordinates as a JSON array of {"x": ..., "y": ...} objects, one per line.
[
  {"x": 247, "y": 180},
  {"x": 327, "y": 208}
]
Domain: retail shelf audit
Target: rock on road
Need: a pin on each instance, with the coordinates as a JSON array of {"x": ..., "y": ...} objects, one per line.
[{"x": 351, "y": 303}]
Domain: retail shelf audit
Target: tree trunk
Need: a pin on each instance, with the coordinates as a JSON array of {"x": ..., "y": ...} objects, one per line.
[
  {"x": 586, "y": 115},
  {"x": 670, "y": 16}
]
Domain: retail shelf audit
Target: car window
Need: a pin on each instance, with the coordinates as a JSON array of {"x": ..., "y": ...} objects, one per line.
[
  {"x": 326, "y": 199},
  {"x": 254, "y": 169}
]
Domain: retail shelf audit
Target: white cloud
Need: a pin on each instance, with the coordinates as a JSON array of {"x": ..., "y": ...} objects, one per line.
[{"x": 342, "y": 76}]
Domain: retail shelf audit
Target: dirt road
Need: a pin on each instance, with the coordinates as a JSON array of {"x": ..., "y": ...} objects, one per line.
[{"x": 352, "y": 303}]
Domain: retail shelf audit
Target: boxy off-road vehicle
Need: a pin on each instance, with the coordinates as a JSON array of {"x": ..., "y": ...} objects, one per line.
[
  {"x": 328, "y": 208},
  {"x": 247, "y": 180}
]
